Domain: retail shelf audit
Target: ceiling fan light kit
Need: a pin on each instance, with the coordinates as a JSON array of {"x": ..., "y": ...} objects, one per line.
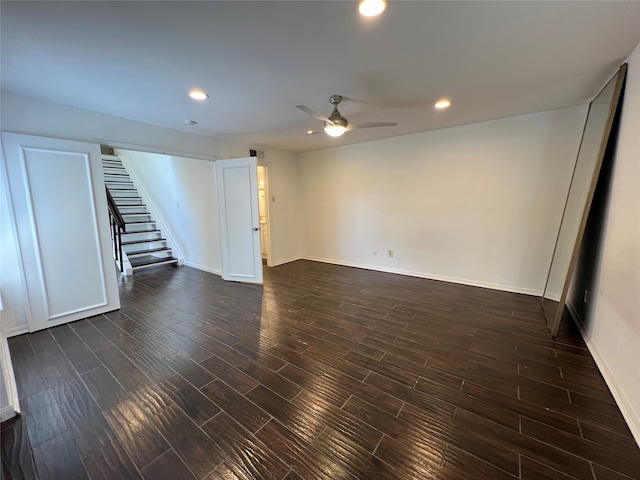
[
  {"x": 334, "y": 130},
  {"x": 335, "y": 124}
]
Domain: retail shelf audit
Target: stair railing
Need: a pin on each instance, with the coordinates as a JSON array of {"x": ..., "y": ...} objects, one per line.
[{"x": 118, "y": 227}]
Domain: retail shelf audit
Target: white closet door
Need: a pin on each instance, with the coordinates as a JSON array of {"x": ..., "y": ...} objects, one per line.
[
  {"x": 58, "y": 196},
  {"x": 237, "y": 182}
]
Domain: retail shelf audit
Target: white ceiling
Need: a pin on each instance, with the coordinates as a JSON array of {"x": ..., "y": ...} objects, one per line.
[{"x": 258, "y": 60}]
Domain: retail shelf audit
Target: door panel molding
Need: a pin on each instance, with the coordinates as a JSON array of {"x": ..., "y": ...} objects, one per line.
[{"x": 84, "y": 193}]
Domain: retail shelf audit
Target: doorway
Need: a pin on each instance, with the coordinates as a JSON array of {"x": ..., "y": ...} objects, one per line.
[{"x": 263, "y": 209}]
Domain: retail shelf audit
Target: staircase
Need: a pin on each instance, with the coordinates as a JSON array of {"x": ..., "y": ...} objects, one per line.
[{"x": 142, "y": 242}]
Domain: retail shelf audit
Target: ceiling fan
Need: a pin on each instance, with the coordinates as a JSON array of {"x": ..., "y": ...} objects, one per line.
[{"x": 335, "y": 124}]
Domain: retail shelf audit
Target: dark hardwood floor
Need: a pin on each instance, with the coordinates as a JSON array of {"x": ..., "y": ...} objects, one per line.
[{"x": 327, "y": 372}]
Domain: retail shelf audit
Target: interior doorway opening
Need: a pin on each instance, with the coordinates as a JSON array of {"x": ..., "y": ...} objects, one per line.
[{"x": 263, "y": 209}]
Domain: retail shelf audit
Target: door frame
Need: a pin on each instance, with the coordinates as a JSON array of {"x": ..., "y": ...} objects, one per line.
[{"x": 267, "y": 206}]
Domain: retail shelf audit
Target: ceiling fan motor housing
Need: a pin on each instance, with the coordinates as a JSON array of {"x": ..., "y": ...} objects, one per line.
[
  {"x": 335, "y": 117},
  {"x": 335, "y": 100},
  {"x": 337, "y": 120}
]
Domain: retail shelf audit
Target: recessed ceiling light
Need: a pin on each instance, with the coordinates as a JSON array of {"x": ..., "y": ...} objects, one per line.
[
  {"x": 371, "y": 8},
  {"x": 309, "y": 132},
  {"x": 444, "y": 103},
  {"x": 190, "y": 122},
  {"x": 198, "y": 95}
]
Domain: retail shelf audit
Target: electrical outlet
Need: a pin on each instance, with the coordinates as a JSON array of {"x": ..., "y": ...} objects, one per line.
[
  {"x": 390, "y": 253},
  {"x": 586, "y": 296}
]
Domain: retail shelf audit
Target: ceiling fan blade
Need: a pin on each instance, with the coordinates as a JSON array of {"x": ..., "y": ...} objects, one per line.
[
  {"x": 372, "y": 124},
  {"x": 313, "y": 132},
  {"x": 313, "y": 113}
]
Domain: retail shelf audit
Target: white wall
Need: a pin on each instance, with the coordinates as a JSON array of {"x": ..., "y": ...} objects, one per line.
[
  {"x": 285, "y": 214},
  {"x": 478, "y": 204},
  {"x": 612, "y": 323},
  {"x": 183, "y": 193}
]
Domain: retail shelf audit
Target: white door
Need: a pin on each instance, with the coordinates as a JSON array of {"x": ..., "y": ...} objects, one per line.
[
  {"x": 58, "y": 196},
  {"x": 237, "y": 184}
]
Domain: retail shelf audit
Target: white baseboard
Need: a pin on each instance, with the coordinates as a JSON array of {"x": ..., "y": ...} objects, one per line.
[
  {"x": 552, "y": 296},
  {"x": 429, "y": 276},
  {"x": 219, "y": 272},
  {"x": 14, "y": 331},
  {"x": 631, "y": 417},
  {"x": 286, "y": 260},
  {"x": 7, "y": 412},
  {"x": 576, "y": 318},
  {"x": 203, "y": 268}
]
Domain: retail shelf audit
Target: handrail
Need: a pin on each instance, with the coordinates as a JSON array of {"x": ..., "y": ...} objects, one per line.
[
  {"x": 113, "y": 208},
  {"x": 118, "y": 226}
]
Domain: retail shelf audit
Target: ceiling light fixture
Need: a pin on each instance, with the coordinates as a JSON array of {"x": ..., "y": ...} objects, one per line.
[
  {"x": 198, "y": 95},
  {"x": 371, "y": 8},
  {"x": 444, "y": 103}
]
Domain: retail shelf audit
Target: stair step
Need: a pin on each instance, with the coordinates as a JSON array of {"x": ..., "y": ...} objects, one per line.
[
  {"x": 149, "y": 222},
  {"x": 143, "y": 232},
  {"x": 124, "y": 193},
  {"x": 130, "y": 210},
  {"x": 142, "y": 242},
  {"x": 142, "y": 262},
  {"x": 151, "y": 251}
]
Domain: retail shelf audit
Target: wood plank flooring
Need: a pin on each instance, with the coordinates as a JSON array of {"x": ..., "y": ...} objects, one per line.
[{"x": 326, "y": 372}]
